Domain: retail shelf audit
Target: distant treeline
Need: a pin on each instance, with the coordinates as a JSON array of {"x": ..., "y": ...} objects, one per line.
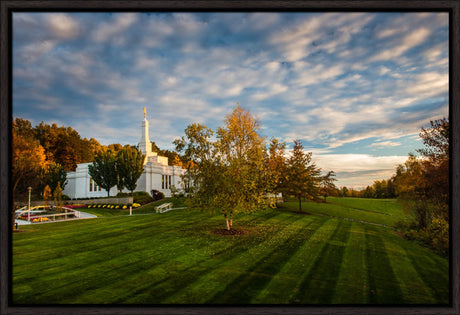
[
  {"x": 381, "y": 189},
  {"x": 64, "y": 145}
]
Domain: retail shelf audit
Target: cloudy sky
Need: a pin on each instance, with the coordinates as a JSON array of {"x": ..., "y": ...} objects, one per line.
[{"x": 355, "y": 88}]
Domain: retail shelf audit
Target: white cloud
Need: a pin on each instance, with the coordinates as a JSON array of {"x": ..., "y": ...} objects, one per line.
[
  {"x": 358, "y": 170},
  {"x": 30, "y": 53},
  {"x": 109, "y": 29},
  {"x": 63, "y": 26},
  {"x": 429, "y": 84},
  {"x": 385, "y": 144},
  {"x": 409, "y": 41}
]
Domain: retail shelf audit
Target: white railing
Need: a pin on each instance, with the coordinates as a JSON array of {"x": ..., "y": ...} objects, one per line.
[{"x": 67, "y": 212}]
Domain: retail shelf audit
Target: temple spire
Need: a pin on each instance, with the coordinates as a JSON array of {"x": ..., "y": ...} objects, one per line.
[{"x": 144, "y": 145}]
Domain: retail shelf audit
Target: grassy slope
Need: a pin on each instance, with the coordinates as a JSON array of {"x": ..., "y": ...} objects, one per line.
[{"x": 174, "y": 258}]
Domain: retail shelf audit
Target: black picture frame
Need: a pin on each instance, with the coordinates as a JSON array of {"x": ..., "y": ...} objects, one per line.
[{"x": 10, "y": 6}]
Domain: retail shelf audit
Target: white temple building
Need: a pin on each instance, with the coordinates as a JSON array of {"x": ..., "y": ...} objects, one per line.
[{"x": 157, "y": 175}]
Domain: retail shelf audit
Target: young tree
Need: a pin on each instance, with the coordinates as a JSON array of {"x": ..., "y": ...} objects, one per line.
[
  {"x": 103, "y": 170},
  {"x": 327, "y": 186},
  {"x": 226, "y": 175},
  {"x": 302, "y": 174},
  {"x": 241, "y": 153},
  {"x": 46, "y": 195},
  {"x": 276, "y": 166},
  {"x": 57, "y": 197},
  {"x": 129, "y": 165}
]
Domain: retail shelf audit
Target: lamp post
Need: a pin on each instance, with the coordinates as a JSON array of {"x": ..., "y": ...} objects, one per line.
[{"x": 28, "y": 212}]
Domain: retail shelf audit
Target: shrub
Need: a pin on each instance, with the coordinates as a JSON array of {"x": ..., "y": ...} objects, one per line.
[
  {"x": 157, "y": 195},
  {"x": 142, "y": 197},
  {"x": 435, "y": 236}
]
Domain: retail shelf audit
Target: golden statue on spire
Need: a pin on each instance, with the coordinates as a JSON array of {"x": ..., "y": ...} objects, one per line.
[{"x": 145, "y": 113}]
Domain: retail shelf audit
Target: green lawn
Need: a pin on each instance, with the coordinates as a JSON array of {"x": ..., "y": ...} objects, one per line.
[{"x": 327, "y": 256}]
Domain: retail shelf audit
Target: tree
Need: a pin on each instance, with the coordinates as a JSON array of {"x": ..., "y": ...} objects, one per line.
[
  {"x": 28, "y": 161},
  {"x": 47, "y": 194},
  {"x": 345, "y": 192},
  {"x": 103, "y": 170},
  {"x": 58, "y": 196},
  {"x": 302, "y": 174},
  {"x": 436, "y": 164},
  {"x": 276, "y": 166},
  {"x": 436, "y": 141},
  {"x": 327, "y": 186},
  {"x": 226, "y": 175},
  {"x": 425, "y": 181},
  {"x": 423, "y": 184},
  {"x": 241, "y": 153},
  {"x": 55, "y": 174},
  {"x": 129, "y": 166}
]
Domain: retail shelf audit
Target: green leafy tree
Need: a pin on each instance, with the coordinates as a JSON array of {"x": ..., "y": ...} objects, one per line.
[
  {"x": 302, "y": 180},
  {"x": 227, "y": 175},
  {"x": 55, "y": 174},
  {"x": 103, "y": 170},
  {"x": 130, "y": 165},
  {"x": 242, "y": 157}
]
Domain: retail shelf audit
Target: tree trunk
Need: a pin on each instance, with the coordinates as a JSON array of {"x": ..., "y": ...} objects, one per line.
[
  {"x": 226, "y": 221},
  {"x": 300, "y": 204},
  {"x": 231, "y": 220}
]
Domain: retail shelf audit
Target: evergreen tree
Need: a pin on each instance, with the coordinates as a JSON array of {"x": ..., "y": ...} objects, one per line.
[{"x": 302, "y": 178}]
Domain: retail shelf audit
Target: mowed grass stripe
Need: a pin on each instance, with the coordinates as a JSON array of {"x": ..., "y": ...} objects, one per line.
[
  {"x": 352, "y": 284},
  {"x": 383, "y": 285},
  {"x": 412, "y": 286},
  {"x": 349, "y": 211},
  {"x": 432, "y": 269},
  {"x": 284, "y": 286},
  {"x": 318, "y": 286},
  {"x": 384, "y": 206},
  {"x": 211, "y": 284}
]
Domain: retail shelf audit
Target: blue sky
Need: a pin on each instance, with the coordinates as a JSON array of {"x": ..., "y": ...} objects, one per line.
[{"x": 355, "y": 87}]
